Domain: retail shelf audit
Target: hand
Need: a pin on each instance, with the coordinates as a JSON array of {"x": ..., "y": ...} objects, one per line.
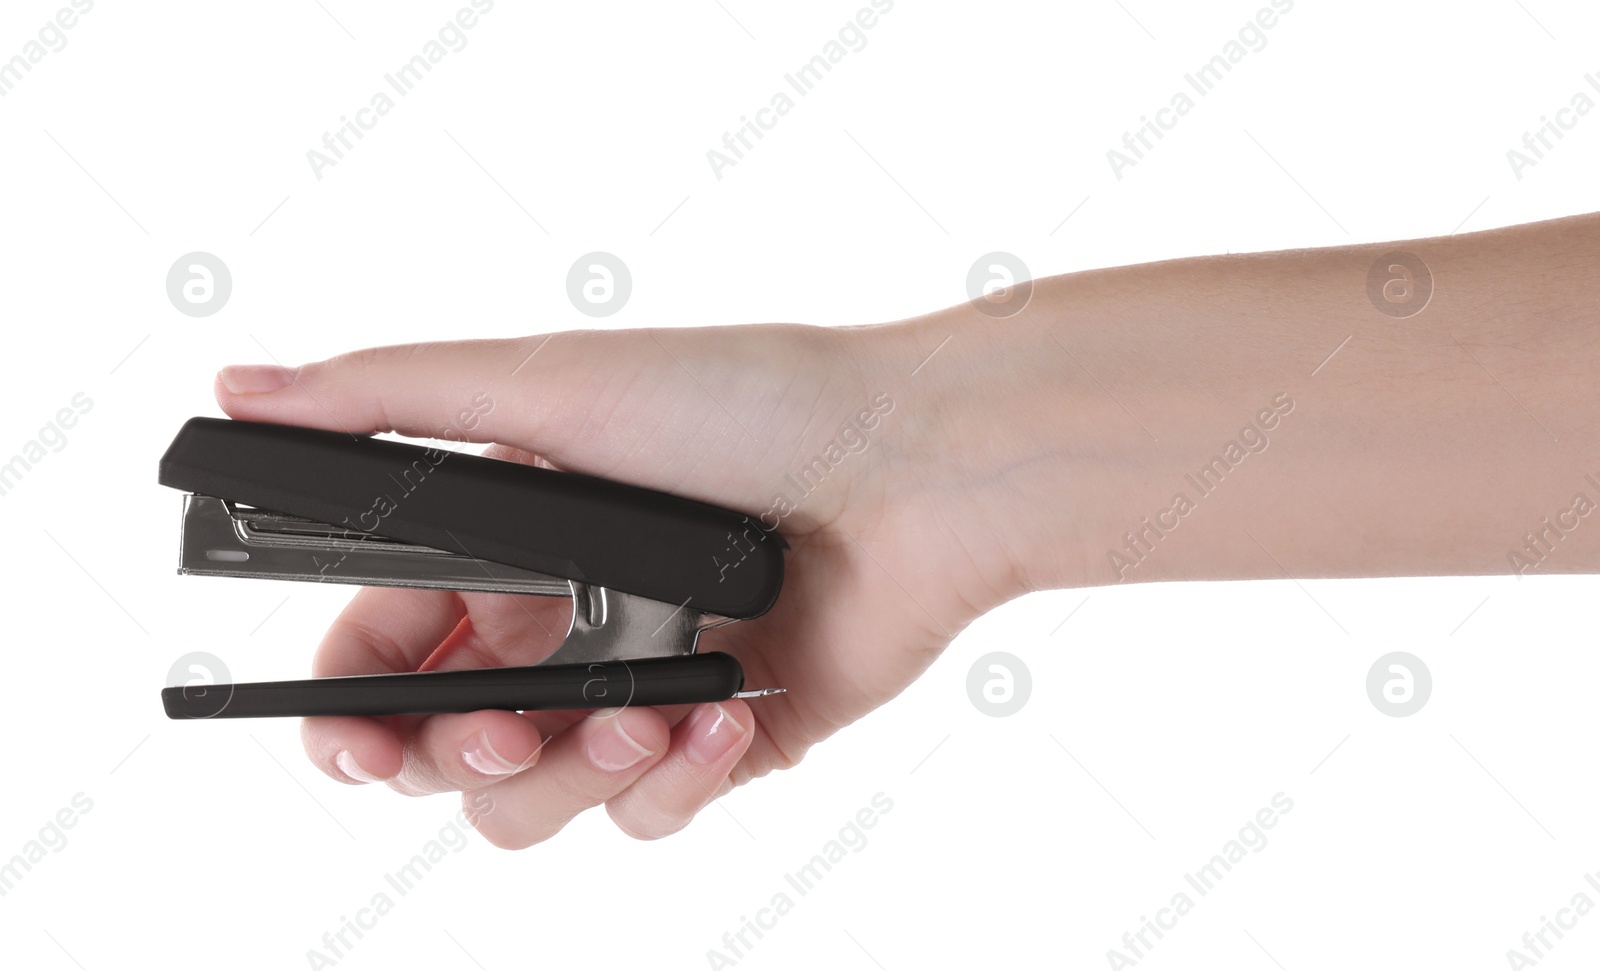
[{"x": 888, "y": 560}]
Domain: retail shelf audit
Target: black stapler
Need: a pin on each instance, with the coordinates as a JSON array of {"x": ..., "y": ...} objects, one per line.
[{"x": 646, "y": 571}]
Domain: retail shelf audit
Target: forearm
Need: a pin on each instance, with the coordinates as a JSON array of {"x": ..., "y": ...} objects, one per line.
[{"x": 1095, "y": 425}]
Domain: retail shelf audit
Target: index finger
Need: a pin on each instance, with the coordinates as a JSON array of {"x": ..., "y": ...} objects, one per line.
[
  {"x": 382, "y": 630},
  {"x": 387, "y": 630}
]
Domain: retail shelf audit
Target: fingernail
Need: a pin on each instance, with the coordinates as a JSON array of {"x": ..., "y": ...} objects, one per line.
[
  {"x": 349, "y": 766},
  {"x": 712, "y": 734},
  {"x": 480, "y": 755},
  {"x": 255, "y": 378},
  {"x": 612, "y": 748}
]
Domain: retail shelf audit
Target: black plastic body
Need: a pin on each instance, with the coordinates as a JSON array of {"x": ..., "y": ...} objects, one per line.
[
  {"x": 579, "y": 527},
  {"x": 603, "y": 684}
]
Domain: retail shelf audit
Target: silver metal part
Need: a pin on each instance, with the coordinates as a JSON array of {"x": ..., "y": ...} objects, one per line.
[
  {"x": 612, "y": 626},
  {"x": 224, "y": 540},
  {"x": 220, "y": 538},
  {"x": 759, "y": 692}
]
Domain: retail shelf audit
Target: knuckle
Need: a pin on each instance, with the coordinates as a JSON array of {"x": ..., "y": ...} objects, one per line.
[
  {"x": 510, "y": 834},
  {"x": 382, "y": 647},
  {"x": 645, "y": 823},
  {"x": 492, "y": 827},
  {"x": 365, "y": 359},
  {"x": 406, "y": 787},
  {"x": 580, "y": 790},
  {"x": 419, "y": 776},
  {"x": 504, "y": 840}
]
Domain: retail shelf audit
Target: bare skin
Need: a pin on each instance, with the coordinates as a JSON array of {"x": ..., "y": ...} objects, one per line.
[{"x": 1038, "y": 451}]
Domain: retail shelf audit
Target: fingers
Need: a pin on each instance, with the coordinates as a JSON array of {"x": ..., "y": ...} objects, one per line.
[
  {"x": 589, "y": 763},
  {"x": 445, "y": 753},
  {"x": 705, "y": 747},
  {"x": 654, "y": 779},
  {"x": 651, "y": 781},
  {"x": 381, "y": 631},
  {"x": 504, "y": 630},
  {"x": 352, "y": 750},
  {"x": 460, "y": 390},
  {"x": 387, "y": 630},
  {"x": 467, "y": 752}
]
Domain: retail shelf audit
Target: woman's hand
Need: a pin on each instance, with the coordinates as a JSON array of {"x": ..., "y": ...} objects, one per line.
[
  {"x": 824, "y": 432},
  {"x": 1061, "y": 446}
]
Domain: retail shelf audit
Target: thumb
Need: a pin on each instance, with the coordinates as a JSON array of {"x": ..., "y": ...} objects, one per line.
[{"x": 475, "y": 391}]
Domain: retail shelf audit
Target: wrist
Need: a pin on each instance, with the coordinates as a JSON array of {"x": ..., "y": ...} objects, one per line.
[
  {"x": 1049, "y": 447},
  {"x": 996, "y": 454}
]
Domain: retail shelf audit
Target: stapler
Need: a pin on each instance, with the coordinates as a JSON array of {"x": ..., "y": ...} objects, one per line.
[{"x": 647, "y": 572}]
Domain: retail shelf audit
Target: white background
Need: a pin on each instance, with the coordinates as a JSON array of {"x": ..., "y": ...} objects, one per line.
[{"x": 1435, "y": 840}]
